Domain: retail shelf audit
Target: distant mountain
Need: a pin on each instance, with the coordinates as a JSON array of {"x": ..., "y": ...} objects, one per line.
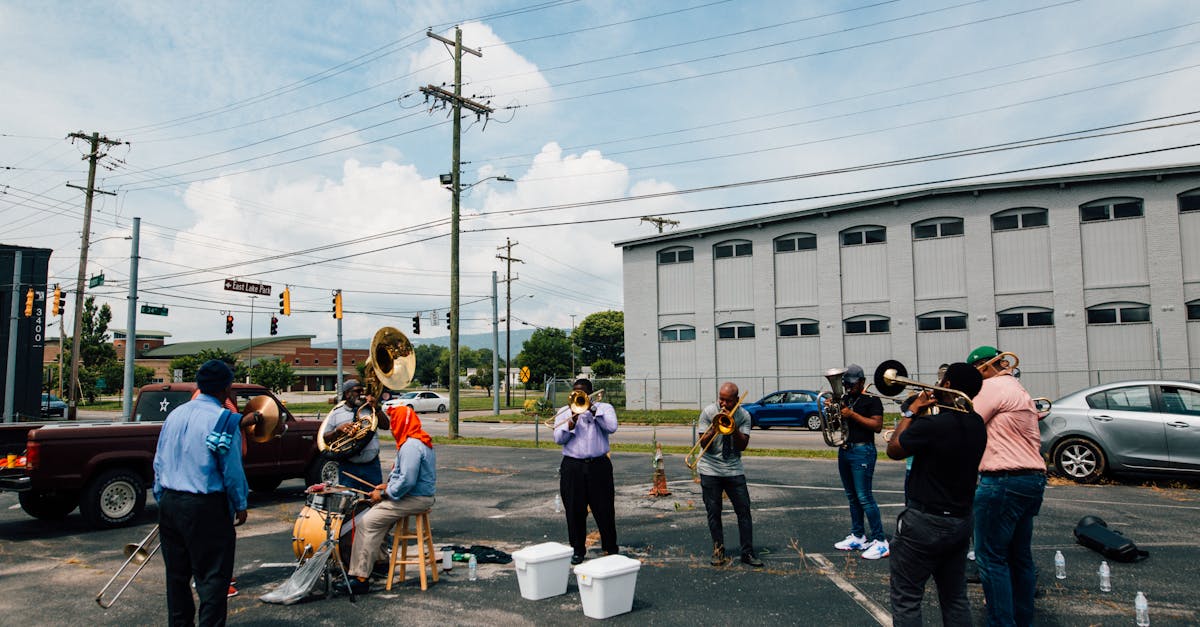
[{"x": 474, "y": 341}]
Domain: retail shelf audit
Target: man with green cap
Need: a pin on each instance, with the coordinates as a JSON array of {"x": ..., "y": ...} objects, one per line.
[{"x": 1012, "y": 480}]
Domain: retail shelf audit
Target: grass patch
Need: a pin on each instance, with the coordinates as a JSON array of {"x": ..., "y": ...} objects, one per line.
[
  {"x": 628, "y": 448},
  {"x": 103, "y": 405}
]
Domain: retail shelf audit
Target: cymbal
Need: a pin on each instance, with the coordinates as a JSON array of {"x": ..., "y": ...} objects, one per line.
[{"x": 271, "y": 424}]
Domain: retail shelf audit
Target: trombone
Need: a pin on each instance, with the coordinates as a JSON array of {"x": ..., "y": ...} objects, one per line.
[
  {"x": 891, "y": 377},
  {"x": 725, "y": 425},
  {"x": 578, "y": 402},
  {"x": 138, "y": 554},
  {"x": 1010, "y": 362}
]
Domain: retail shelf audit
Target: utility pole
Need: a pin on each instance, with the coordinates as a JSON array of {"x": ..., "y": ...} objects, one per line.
[
  {"x": 573, "y": 373},
  {"x": 508, "y": 259},
  {"x": 495, "y": 349},
  {"x": 131, "y": 326},
  {"x": 457, "y": 102},
  {"x": 14, "y": 319},
  {"x": 659, "y": 222},
  {"x": 250, "y": 359},
  {"x": 93, "y": 156}
]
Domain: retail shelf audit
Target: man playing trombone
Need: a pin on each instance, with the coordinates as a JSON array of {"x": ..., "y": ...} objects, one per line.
[
  {"x": 725, "y": 433},
  {"x": 585, "y": 477}
]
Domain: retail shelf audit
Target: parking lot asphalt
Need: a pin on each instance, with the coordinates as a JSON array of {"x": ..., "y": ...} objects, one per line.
[{"x": 504, "y": 498}]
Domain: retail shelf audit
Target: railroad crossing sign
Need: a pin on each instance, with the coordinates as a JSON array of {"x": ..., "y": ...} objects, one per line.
[
  {"x": 524, "y": 374},
  {"x": 234, "y": 285}
]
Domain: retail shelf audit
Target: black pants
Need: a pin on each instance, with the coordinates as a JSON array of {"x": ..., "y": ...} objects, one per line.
[
  {"x": 928, "y": 545},
  {"x": 197, "y": 542},
  {"x": 584, "y": 484},
  {"x": 711, "y": 488}
]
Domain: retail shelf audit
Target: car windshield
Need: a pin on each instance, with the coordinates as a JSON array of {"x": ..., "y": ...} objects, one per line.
[{"x": 409, "y": 395}]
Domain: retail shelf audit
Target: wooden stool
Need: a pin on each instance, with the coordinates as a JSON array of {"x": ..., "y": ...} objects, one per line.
[{"x": 425, "y": 554}]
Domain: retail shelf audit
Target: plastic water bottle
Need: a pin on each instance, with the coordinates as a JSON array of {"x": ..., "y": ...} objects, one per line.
[
  {"x": 1060, "y": 565},
  {"x": 1105, "y": 577},
  {"x": 558, "y": 504},
  {"x": 1141, "y": 609},
  {"x": 471, "y": 568}
]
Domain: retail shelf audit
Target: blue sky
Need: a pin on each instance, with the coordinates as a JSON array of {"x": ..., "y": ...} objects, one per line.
[{"x": 291, "y": 138}]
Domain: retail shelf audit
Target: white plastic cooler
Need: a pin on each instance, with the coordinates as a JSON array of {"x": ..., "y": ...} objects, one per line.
[
  {"x": 606, "y": 585},
  {"x": 543, "y": 570}
]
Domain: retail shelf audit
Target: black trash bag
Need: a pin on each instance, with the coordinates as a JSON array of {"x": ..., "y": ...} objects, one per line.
[
  {"x": 1094, "y": 533},
  {"x": 483, "y": 554}
]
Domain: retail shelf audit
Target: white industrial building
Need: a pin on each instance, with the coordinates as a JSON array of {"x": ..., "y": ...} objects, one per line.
[{"x": 1087, "y": 278}]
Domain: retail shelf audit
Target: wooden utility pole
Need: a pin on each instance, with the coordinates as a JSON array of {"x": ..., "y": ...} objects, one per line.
[
  {"x": 509, "y": 278},
  {"x": 659, "y": 222},
  {"x": 457, "y": 102},
  {"x": 93, "y": 156}
]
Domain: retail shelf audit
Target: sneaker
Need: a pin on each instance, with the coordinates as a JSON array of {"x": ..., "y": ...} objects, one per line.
[
  {"x": 877, "y": 550},
  {"x": 852, "y": 543},
  {"x": 232, "y": 592}
]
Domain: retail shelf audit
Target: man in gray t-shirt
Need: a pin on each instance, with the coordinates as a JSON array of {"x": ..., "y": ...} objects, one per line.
[{"x": 721, "y": 472}]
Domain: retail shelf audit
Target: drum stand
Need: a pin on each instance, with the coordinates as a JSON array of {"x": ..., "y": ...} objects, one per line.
[{"x": 333, "y": 561}]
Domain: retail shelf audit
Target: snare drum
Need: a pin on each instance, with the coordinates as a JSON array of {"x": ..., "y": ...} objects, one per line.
[{"x": 331, "y": 501}]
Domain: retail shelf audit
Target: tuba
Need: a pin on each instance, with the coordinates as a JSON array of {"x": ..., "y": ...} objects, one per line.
[
  {"x": 391, "y": 364},
  {"x": 834, "y": 428}
]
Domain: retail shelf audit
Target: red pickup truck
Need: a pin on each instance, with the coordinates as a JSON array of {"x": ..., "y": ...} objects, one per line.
[{"x": 105, "y": 468}]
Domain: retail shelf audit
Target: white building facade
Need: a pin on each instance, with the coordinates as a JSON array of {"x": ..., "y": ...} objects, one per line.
[{"x": 1087, "y": 278}]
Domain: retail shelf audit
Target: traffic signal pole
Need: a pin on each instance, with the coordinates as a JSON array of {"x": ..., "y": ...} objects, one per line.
[
  {"x": 10, "y": 374},
  {"x": 130, "y": 326}
]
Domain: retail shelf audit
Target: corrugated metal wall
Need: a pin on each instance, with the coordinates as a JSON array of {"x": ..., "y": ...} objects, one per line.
[
  {"x": 864, "y": 273},
  {"x": 799, "y": 356},
  {"x": 1121, "y": 346},
  {"x": 1114, "y": 253},
  {"x": 1034, "y": 346},
  {"x": 867, "y": 350},
  {"x": 677, "y": 367},
  {"x": 676, "y": 288},
  {"x": 935, "y": 348},
  {"x": 733, "y": 283},
  {"x": 735, "y": 362},
  {"x": 939, "y": 270},
  {"x": 1021, "y": 260},
  {"x": 1189, "y": 242},
  {"x": 796, "y": 278}
]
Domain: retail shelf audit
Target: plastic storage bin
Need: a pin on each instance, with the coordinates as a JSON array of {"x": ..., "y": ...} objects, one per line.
[
  {"x": 606, "y": 585},
  {"x": 543, "y": 570}
]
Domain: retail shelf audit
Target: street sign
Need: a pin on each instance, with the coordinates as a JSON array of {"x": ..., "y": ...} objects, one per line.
[
  {"x": 177, "y": 375},
  {"x": 154, "y": 310},
  {"x": 234, "y": 285},
  {"x": 524, "y": 374},
  {"x": 96, "y": 280}
]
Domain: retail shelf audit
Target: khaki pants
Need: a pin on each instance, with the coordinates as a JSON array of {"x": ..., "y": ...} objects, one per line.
[{"x": 375, "y": 525}]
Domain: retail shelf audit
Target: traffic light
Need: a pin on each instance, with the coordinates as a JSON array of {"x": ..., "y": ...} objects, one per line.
[
  {"x": 447, "y": 319},
  {"x": 337, "y": 304},
  {"x": 285, "y": 302},
  {"x": 274, "y": 325},
  {"x": 29, "y": 303},
  {"x": 417, "y": 324},
  {"x": 58, "y": 301},
  {"x": 229, "y": 323}
]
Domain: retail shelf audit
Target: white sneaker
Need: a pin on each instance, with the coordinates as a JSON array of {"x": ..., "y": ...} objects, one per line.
[
  {"x": 876, "y": 550},
  {"x": 852, "y": 543}
]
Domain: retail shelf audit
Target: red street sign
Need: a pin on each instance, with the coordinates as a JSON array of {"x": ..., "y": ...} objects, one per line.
[{"x": 234, "y": 285}]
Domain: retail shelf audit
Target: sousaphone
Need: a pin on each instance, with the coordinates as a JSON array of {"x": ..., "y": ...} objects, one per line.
[{"x": 390, "y": 364}]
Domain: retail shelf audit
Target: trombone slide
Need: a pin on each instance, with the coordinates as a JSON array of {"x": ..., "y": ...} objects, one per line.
[
  {"x": 724, "y": 423},
  {"x": 136, "y": 553}
]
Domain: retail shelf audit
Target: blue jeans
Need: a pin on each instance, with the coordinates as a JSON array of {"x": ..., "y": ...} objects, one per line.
[
  {"x": 371, "y": 472},
  {"x": 1004, "y": 511},
  {"x": 856, "y": 465}
]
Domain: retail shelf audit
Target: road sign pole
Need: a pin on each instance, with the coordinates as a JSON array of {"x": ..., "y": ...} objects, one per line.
[{"x": 131, "y": 326}]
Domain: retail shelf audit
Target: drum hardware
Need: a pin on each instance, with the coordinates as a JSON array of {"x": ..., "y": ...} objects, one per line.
[
  {"x": 725, "y": 425},
  {"x": 391, "y": 364},
  {"x": 139, "y": 554}
]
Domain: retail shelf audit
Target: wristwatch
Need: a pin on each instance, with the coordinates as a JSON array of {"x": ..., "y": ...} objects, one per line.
[{"x": 906, "y": 413}]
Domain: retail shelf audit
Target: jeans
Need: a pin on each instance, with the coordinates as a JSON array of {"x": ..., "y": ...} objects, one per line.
[
  {"x": 926, "y": 545},
  {"x": 711, "y": 487},
  {"x": 370, "y": 471},
  {"x": 1004, "y": 511},
  {"x": 856, "y": 465}
]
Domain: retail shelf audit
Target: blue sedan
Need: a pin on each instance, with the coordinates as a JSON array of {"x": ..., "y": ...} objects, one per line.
[{"x": 785, "y": 408}]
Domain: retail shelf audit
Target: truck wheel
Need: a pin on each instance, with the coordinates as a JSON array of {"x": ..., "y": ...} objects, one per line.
[
  {"x": 265, "y": 485},
  {"x": 48, "y": 505},
  {"x": 321, "y": 470},
  {"x": 113, "y": 499}
]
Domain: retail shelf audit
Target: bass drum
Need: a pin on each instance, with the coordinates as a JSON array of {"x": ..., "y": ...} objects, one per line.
[{"x": 309, "y": 531}]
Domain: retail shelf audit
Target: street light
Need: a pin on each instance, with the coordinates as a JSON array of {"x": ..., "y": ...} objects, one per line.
[{"x": 448, "y": 181}]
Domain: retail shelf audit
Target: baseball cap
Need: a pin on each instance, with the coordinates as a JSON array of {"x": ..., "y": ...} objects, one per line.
[
  {"x": 853, "y": 374},
  {"x": 982, "y": 353}
]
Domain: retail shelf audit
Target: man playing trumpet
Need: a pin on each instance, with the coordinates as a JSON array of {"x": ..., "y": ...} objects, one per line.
[
  {"x": 721, "y": 471},
  {"x": 585, "y": 477}
]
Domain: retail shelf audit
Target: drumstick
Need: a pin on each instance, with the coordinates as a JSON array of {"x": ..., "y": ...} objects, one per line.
[{"x": 360, "y": 480}]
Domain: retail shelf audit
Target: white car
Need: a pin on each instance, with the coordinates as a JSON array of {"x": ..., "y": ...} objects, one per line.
[{"x": 422, "y": 401}]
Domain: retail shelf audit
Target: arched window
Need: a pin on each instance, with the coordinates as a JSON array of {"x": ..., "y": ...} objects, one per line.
[
  {"x": 677, "y": 333},
  {"x": 942, "y": 321},
  {"x": 861, "y": 235},
  {"x": 675, "y": 255},
  {"x": 735, "y": 331},
  {"x": 1018, "y": 317},
  {"x": 1110, "y": 209},
  {"x": 866, "y": 324},
  {"x": 1020, "y": 218},
  {"x": 1189, "y": 200},
  {"x": 1118, "y": 313},
  {"x": 1193, "y": 310},
  {"x": 798, "y": 327},
  {"x": 725, "y": 250},
  {"x": 937, "y": 227},
  {"x": 795, "y": 242}
]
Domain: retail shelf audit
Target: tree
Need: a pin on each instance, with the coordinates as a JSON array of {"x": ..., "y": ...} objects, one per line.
[
  {"x": 113, "y": 374},
  {"x": 607, "y": 368},
  {"x": 273, "y": 374},
  {"x": 189, "y": 364},
  {"x": 546, "y": 352},
  {"x": 601, "y": 336},
  {"x": 428, "y": 356},
  {"x": 95, "y": 351},
  {"x": 482, "y": 378}
]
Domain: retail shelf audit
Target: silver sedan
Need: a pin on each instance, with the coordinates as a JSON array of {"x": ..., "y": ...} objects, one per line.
[{"x": 1147, "y": 426}]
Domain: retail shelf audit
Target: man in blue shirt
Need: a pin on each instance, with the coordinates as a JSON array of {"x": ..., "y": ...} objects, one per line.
[
  {"x": 201, "y": 496},
  {"x": 585, "y": 478}
]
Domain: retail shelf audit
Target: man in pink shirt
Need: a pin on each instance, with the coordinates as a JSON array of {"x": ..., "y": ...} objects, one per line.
[{"x": 1012, "y": 480}]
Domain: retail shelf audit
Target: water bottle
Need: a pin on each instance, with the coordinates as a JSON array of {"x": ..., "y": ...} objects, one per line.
[
  {"x": 471, "y": 568},
  {"x": 558, "y": 504},
  {"x": 1105, "y": 577},
  {"x": 1060, "y": 565},
  {"x": 1141, "y": 609}
]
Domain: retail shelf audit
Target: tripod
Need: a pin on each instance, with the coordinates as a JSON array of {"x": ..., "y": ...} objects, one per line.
[{"x": 333, "y": 561}]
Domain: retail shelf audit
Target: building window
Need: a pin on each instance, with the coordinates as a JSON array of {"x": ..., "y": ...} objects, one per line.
[
  {"x": 938, "y": 227},
  {"x": 1110, "y": 209},
  {"x": 1118, "y": 313},
  {"x": 1020, "y": 218},
  {"x": 864, "y": 235},
  {"x": 1017, "y": 319},
  {"x": 296, "y": 361},
  {"x": 735, "y": 331},
  {"x": 677, "y": 334},
  {"x": 1193, "y": 310},
  {"x": 867, "y": 325},
  {"x": 145, "y": 346},
  {"x": 732, "y": 249},
  {"x": 1189, "y": 201},
  {"x": 797, "y": 328},
  {"x": 800, "y": 241},
  {"x": 316, "y": 362},
  {"x": 678, "y": 255},
  {"x": 942, "y": 321}
]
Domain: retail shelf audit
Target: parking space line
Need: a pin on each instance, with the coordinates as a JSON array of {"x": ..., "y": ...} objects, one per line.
[
  {"x": 881, "y": 616},
  {"x": 1126, "y": 504}
]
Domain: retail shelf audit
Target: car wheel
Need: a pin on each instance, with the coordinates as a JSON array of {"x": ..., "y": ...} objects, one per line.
[
  {"x": 48, "y": 505},
  {"x": 321, "y": 470},
  {"x": 1080, "y": 460},
  {"x": 265, "y": 485},
  {"x": 813, "y": 421},
  {"x": 441, "y": 409},
  {"x": 112, "y": 499}
]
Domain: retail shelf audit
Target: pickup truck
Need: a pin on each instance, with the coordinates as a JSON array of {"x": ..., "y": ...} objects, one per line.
[{"x": 105, "y": 468}]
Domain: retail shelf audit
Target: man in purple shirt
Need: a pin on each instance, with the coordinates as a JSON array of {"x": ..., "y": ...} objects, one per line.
[{"x": 585, "y": 478}]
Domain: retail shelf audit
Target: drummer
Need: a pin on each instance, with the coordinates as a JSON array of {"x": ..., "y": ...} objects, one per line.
[
  {"x": 409, "y": 490},
  {"x": 365, "y": 463}
]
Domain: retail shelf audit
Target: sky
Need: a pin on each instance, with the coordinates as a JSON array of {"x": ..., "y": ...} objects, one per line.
[{"x": 289, "y": 143}]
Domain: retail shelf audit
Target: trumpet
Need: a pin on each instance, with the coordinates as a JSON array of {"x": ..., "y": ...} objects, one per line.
[
  {"x": 725, "y": 425},
  {"x": 578, "y": 402},
  {"x": 138, "y": 554},
  {"x": 891, "y": 377}
]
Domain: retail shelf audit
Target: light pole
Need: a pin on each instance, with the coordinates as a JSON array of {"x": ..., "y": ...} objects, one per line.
[{"x": 573, "y": 346}]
